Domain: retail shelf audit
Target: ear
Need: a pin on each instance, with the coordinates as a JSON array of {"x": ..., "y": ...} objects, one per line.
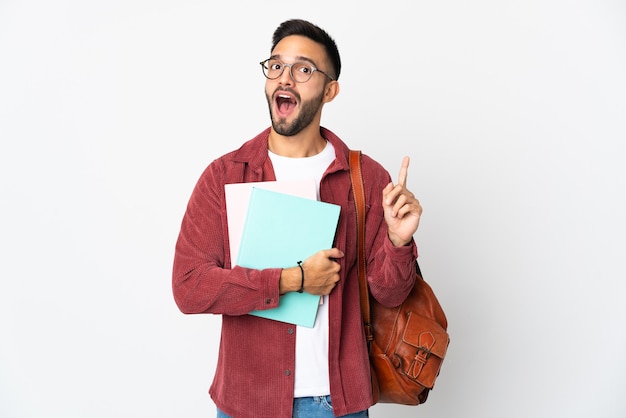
[{"x": 331, "y": 91}]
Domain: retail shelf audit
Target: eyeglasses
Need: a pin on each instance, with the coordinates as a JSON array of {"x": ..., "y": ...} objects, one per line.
[{"x": 300, "y": 72}]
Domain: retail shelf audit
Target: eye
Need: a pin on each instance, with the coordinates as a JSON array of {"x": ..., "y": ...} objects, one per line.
[
  {"x": 303, "y": 68},
  {"x": 274, "y": 65}
]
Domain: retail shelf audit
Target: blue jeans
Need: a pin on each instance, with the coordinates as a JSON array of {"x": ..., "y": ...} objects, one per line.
[{"x": 313, "y": 407}]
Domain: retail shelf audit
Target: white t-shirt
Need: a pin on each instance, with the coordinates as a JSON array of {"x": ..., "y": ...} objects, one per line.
[{"x": 311, "y": 375}]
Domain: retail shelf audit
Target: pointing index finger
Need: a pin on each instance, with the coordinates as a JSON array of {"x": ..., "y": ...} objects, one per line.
[{"x": 404, "y": 169}]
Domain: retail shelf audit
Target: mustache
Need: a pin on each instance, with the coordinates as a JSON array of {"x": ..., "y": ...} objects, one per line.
[{"x": 286, "y": 90}]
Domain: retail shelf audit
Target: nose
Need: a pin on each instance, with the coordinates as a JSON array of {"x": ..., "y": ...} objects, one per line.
[{"x": 286, "y": 77}]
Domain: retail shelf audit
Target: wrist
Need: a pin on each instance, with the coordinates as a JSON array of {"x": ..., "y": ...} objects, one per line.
[
  {"x": 397, "y": 241},
  {"x": 290, "y": 280}
]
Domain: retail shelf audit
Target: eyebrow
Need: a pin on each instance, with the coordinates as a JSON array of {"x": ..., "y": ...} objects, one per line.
[{"x": 297, "y": 57}]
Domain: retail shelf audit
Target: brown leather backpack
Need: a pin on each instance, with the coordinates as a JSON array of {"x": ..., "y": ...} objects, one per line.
[{"x": 407, "y": 344}]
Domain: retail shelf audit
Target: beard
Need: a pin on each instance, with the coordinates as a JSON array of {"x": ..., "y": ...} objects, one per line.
[{"x": 308, "y": 111}]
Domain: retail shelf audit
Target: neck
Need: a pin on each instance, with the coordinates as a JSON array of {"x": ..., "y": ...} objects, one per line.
[{"x": 304, "y": 144}]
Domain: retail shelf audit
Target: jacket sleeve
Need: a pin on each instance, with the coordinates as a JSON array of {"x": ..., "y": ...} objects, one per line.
[
  {"x": 202, "y": 280},
  {"x": 390, "y": 270}
]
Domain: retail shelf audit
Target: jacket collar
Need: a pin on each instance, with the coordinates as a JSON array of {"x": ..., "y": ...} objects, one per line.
[{"x": 249, "y": 151}]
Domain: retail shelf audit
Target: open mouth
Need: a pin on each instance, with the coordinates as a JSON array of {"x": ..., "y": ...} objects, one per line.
[{"x": 285, "y": 103}]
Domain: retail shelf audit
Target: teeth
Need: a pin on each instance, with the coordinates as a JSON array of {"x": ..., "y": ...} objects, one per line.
[{"x": 283, "y": 96}]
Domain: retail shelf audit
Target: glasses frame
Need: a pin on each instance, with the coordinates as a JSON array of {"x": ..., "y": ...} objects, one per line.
[{"x": 282, "y": 70}]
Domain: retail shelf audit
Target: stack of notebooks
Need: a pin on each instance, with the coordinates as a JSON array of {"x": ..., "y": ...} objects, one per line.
[{"x": 275, "y": 225}]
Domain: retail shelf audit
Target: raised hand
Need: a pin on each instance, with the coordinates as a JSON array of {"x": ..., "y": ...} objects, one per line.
[{"x": 402, "y": 209}]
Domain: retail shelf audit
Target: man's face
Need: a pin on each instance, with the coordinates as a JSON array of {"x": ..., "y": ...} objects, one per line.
[{"x": 294, "y": 106}]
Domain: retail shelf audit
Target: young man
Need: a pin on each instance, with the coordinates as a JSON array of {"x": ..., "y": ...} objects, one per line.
[{"x": 266, "y": 368}]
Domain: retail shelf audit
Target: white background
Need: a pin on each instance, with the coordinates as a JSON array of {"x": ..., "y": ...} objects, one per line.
[{"x": 514, "y": 114}]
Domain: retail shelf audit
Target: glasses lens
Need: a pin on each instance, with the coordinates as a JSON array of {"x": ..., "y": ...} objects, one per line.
[
  {"x": 272, "y": 68},
  {"x": 301, "y": 72}
]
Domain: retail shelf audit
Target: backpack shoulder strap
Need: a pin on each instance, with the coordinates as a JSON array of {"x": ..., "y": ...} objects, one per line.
[{"x": 356, "y": 178}]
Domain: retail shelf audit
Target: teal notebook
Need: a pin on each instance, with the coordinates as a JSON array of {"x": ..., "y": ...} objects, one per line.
[{"x": 280, "y": 230}]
